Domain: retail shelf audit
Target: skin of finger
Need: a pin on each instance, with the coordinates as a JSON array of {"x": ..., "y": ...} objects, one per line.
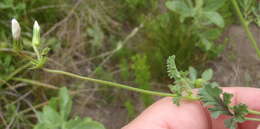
[
  {"x": 250, "y": 97},
  {"x": 171, "y": 116},
  {"x": 166, "y": 115}
]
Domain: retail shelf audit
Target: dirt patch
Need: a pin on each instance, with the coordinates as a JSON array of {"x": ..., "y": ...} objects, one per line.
[{"x": 238, "y": 65}]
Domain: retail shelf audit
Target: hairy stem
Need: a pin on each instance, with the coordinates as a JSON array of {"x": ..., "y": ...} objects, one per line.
[
  {"x": 246, "y": 28},
  {"x": 117, "y": 85}
]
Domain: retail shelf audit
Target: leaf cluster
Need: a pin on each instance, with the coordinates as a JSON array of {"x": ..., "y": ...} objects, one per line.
[
  {"x": 201, "y": 15},
  {"x": 250, "y": 10},
  {"x": 210, "y": 94},
  {"x": 56, "y": 115}
]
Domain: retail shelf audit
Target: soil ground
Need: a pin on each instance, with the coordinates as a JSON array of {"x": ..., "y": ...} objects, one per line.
[{"x": 238, "y": 65}]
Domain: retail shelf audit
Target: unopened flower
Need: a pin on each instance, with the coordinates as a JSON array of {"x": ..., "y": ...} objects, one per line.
[
  {"x": 36, "y": 34},
  {"x": 16, "y": 29}
]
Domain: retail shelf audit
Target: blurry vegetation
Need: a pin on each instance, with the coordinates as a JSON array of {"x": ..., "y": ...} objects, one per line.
[{"x": 126, "y": 41}]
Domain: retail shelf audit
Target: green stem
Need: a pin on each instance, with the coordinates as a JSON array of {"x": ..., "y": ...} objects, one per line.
[
  {"x": 118, "y": 85},
  {"x": 253, "y": 112},
  {"x": 246, "y": 28},
  {"x": 252, "y": 119},
  {"x": 36, "y": 83}
]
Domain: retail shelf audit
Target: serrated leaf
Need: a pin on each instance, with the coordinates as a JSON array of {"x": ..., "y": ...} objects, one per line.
[
  {"x": 211, "y": 95},
  {"x": 240, "y": 111},
  {"x": 65, "y": 103},
  {"x": 207, "y": 75},
  {"x": 215, "y": 18},
  {"x": 192, "y": 73}
]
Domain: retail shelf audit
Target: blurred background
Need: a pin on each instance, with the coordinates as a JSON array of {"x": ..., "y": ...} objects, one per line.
[{"x": 124, "y": 41}]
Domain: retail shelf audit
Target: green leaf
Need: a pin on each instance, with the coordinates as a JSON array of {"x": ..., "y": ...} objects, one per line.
[
  {"x": 49, "y": 118},
  {"x": 40, "y": 126},
  {"x": 214, "y": 18},
  {"x": 86, "y": 123},
  {"x": 199, "y": 4},
  {"x": 207, "y": 75},
  {"x": 213, "y": 5},
  {"x": 178, "y": 91},
  {"x": 65, "y": 103},
  {"x": 53, "y": 103},
  {"x": 211, "y": 95},
  {"x": 180, "y": 7},
  {"x": 192, "y": 73},
  {"x": 211, "y": 34},
  {"x": 240, "y": 111},
  {"x": 91, "y": 124},
  {"x": 206, "y": 44}
]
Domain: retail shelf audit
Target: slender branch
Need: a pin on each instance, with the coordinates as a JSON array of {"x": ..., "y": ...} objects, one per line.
[
  {"x": 117, "y": 85},
  {"x": 252, "y": 119},
  {"x": 246, "y": 28},
  {"x": 36, "y": 83},
  {"x": 253, "y": 112}
]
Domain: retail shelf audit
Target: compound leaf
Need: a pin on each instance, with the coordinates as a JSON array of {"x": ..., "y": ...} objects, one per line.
[
  {"x": 240, "y": 111},
  {"x": 211, "y": 95}
]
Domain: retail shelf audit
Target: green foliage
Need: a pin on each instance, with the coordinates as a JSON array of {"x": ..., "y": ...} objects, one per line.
[
  {"x": 200, "y": 15},
  {"x": 131, "y": 113},
  {"x": 250, "y": 10},
  {"x": 201, "y": 12},
  {"x": 142, "y": 76},
  {"x": 14, "y": 8},
  {"x": 210, "y": 94},
  {"x": 135, "y": 10},
  {"x": 56, "y": 115},
  {"x": 97, "y": 35},
  {"x": 6, "y": 65},
  {"x": 124, "y": 69},
  {"x": 240, "y": 111}
]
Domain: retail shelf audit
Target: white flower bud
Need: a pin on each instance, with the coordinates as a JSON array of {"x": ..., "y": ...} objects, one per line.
[
  {"x": 36, "y": 34},
  {"x": 16, "y": 29}
]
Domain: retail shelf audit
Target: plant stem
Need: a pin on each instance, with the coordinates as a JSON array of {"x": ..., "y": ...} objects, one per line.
[
  {"x": 36, "y": 83},
  {"x": 246, "y": 28},
  {"x": 252, "y": 119},
  {"x": 118, "y": 85},
  {"x": 253, "y": 112}
]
